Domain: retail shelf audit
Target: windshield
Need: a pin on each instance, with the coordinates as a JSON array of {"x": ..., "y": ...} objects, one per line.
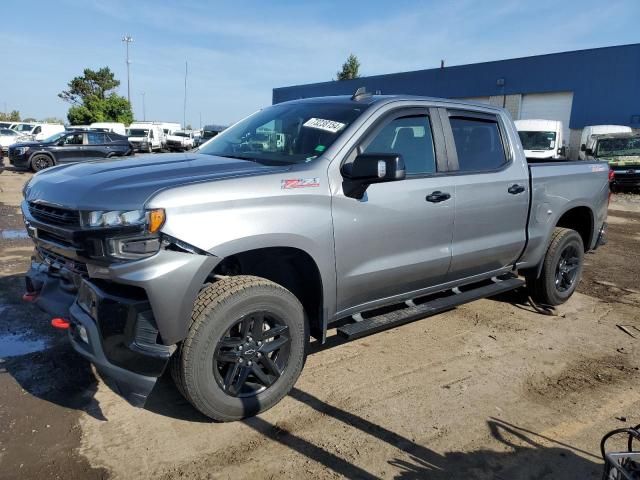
[
  {"x": 285, "y": 134},
  {"x": 538, "y": 140},
  {"x": 54, "y": 137},
  {"x": 180, "y": 134},
  {"x": 618, "y": 147},
  {"x": 137, "y": 132}
]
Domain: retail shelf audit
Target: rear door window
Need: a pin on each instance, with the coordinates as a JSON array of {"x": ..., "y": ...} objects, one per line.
[
  {"x": 478, "y": 144},
  {"x": 95, "y": 138}
]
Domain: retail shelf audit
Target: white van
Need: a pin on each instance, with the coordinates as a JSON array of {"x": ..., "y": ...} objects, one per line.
[
  {"x": 542, "y": 139},
  {"x": 588, "y": 141},
  {"x": 145, "y": 137},
  {"x": 114, "y": 127},
  {"x": 45, "y": 130}
]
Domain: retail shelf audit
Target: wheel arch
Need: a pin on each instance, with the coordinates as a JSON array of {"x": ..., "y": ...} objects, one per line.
[
  {"x": 581, "y": 219},
  {"x": 290, "y": 267}
]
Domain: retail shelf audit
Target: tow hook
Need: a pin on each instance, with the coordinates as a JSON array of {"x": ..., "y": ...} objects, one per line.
[{"x": 61, "y": 323}]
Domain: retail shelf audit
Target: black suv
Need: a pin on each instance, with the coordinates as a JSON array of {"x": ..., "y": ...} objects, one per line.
[{"x": 67, "y": 147}]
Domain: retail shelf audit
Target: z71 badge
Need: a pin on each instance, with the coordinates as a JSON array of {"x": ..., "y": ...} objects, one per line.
[{"x": 300, "y": 183}]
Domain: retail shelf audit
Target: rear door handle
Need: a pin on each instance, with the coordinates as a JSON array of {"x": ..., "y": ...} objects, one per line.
[
  {"x": 515, "y": 189},
  {"x": 437, "y": 197}
]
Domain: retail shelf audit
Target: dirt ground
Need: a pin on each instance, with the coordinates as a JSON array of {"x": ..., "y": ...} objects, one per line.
[{"x": 490, "y": 390}]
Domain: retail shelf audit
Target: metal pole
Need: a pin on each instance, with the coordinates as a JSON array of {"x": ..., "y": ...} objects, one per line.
[
  {"x": 184, "y": 110},
  {"x": 127, "y": 39},
  {"x": 144, "y": 109}
]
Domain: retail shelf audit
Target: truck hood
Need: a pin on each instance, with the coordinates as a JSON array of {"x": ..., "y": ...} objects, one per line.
[{"x": 117, "y": 184}]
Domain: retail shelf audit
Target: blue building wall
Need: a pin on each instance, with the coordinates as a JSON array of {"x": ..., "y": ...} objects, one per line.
[{"x": 605, "y": 83}]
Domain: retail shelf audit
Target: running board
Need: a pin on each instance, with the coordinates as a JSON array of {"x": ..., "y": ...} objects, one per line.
[{"x": 369, "y": 326}]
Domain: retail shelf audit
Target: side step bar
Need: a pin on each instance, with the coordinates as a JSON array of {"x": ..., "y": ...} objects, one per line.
[{"x": 396, "y": 318}]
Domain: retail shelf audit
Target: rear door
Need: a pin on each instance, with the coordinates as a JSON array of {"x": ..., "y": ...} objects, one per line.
[
  {"x": 491, "y": 194},
  {"x": 394, "y": 240},
  {"x": 97, "y": 145}
]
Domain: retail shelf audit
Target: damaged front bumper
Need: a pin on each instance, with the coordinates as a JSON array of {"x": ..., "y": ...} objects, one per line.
[{"x": 124, "y": 318}]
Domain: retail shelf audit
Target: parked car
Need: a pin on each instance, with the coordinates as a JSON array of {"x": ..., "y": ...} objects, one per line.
[
  {"x": 622, "y": 152},
  {"x": 225, "y": 260},
  {"x": 6, "y": 124},
  {"x": 542, "y": 139},
  {"x": 114, "y": 127},
  {"x": 587, "y": 140},
  {"x": 145, "y": 137},
  {"x": 180, "y": 141},
  {"x": 68, "y": 147},
  {"x": 7, "y": 138}
]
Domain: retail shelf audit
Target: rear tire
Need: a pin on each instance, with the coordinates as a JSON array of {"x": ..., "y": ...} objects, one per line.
[
  {"x": 229, "y": 340},
  {"x": 40, "y": 161},
  {"x": 561, "y": 269}
]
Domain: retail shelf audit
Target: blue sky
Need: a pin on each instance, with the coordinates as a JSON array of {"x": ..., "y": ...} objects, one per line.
[{"x": 238, "y": 51}]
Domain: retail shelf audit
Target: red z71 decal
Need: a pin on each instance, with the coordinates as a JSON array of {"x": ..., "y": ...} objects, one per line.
[{"x": 300, "y": 183}]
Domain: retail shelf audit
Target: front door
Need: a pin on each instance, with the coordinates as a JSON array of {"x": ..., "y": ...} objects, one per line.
[
  {"x": 394, "y": 241},
  {"x": 69, "y": 149}
]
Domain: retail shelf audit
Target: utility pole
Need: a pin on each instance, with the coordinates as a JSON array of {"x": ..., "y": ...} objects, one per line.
[
  {"x": 144, "y": 110},
  {"x": 200, "y": 120},
  {"x": 184, "y": 109},
  {"x": 127, "y": 39}
]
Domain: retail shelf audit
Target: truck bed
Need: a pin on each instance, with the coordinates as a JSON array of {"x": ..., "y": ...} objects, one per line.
[{"x": 557, "y": 187}]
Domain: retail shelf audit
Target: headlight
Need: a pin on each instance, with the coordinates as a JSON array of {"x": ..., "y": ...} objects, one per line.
[
  {"x": 21, "y": 150},
  {"x": 153, "y": 219}
]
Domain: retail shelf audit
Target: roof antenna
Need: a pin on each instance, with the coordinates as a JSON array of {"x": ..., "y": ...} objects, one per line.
[{"x": 360, "y": 94}]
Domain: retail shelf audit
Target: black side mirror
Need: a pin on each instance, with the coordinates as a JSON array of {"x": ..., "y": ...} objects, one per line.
[
  {"x": 60, "y": 142},
  {"x": 583, "y": 147},
  {"x": 371, "y": 168}
]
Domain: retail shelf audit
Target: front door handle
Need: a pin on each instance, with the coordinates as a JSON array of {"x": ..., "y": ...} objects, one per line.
[
  {"x": 515, "y": 189},
  {"x": 437, "y": 197}
]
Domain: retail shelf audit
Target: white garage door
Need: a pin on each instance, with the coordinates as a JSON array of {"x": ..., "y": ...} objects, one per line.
[{"x": 548, "y": 106}]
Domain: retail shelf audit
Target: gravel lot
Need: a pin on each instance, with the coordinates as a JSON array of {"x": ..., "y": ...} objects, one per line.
[{"x": 489, "y": 390}]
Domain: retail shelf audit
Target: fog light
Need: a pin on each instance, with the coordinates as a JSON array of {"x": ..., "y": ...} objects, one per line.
[{"x": 83, "y": 334}]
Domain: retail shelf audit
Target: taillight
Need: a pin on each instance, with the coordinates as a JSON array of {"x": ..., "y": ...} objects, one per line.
[{"x": 611, "y": 175}]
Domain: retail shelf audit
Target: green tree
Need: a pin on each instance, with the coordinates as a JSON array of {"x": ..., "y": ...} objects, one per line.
[
  {"x": 13, "y": 116},
  {"x": 30, "y": 119},
  {"x": 350, "y": 69},
  {"x": 93, "y": 99}
]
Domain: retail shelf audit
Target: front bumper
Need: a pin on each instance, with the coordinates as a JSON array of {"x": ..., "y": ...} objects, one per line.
[
  {"x": 18, "y": 160},
  {"x": 112, "y": 327},
  {"x": 132, "y": 314}
]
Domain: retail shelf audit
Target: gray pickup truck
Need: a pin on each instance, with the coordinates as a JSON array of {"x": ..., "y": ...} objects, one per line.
[{"x": 358, "y": 213}]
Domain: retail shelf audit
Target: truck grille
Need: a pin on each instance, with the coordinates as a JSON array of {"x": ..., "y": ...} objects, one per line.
[{"x": 54, "y": 215}]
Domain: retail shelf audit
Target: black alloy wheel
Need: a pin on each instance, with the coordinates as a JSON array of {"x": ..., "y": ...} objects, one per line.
[
  {"x": 40, "y": 162},
  {"x": 567, "y": 268},
  {"x": 252, "y": 355}
]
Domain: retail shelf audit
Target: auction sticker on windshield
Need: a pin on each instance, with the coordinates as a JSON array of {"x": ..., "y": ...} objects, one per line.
[{"x": 326, "y": 125}]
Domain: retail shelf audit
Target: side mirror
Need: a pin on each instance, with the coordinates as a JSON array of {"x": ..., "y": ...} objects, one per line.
[
  {"x": 589, "y": 152},
  {"x": 60, "y": 143},
  {"x": 583, "y": 147},
  {"x": 371, "y": 168}
]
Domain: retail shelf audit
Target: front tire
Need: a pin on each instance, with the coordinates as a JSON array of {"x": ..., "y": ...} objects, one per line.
[
  {"x": 40, "y": 161},
  {"x": 245, "y": 348},
  {"x": 561, "y": 269}
]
